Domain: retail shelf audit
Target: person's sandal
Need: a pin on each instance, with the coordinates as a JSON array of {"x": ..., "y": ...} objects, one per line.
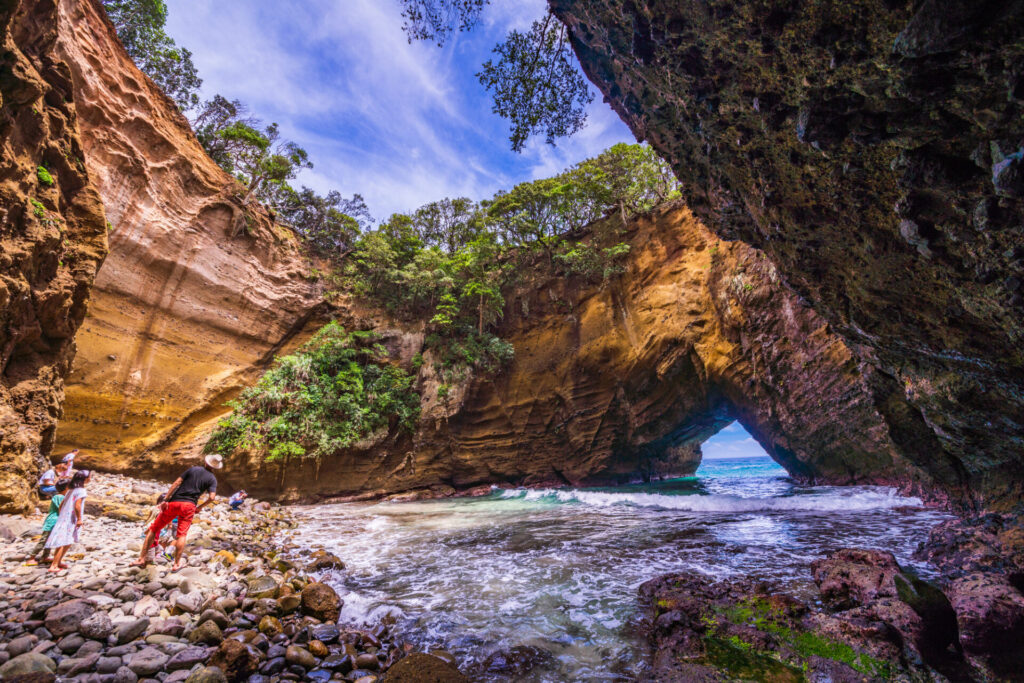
[{"x": 31, "y": 563}]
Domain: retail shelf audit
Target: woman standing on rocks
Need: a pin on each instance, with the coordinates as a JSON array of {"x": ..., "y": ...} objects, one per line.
[{"x": 70, "y": 518}]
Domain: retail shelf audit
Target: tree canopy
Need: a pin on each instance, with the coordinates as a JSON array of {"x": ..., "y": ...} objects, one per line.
[{"x": 140, "y": 26}]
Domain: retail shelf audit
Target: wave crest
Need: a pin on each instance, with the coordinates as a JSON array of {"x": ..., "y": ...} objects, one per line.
[{"x": 831, "y": 500}]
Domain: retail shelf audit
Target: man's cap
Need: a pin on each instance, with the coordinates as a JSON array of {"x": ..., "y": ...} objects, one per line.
[{"x": 215, "y": 461}]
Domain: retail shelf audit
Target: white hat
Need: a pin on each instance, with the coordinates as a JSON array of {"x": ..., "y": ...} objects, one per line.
[{"x": 215, "y": 461}]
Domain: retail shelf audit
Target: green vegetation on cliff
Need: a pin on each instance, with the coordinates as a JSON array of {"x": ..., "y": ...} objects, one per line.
[{"x": 335, "y": 391}]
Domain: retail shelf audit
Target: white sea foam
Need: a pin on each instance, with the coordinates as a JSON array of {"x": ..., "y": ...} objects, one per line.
[{"x": 863, "y": 498}]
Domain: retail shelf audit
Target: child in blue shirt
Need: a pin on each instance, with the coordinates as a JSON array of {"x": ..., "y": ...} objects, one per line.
[{"x": 51, "y": 519}]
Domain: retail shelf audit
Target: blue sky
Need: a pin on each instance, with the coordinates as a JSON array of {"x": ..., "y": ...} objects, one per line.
[
  {"x": 401, "y": 124},
  {"x": 732, "y": 442}
]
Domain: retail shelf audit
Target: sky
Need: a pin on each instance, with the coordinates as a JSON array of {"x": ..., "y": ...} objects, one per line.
[
  {"x": 732, "y": 442},
  {"x": 401, "y": 124}
]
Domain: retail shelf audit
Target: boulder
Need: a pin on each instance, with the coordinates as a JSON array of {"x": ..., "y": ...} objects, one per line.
[
  {"x": 189, "y": 602},
  {"x": 852, "y": 576},
  {"x": 25, "y": 664},
  {"x": 423, "y": 668},
  {"x": 262, "y": 587},
  {"x": 130, "y": 630},
  {"x": 206, "y": 674},
  {"x": 187, "y": 658},
  {"x": 66, "y": 617},
  {"x": 321, "y": 601},
  {"x": 300, "y": 656},
  {"x": 147, "y": 662},
  {"x": 207, "y": 632},
  {"x": 237, "y": 660},
  {"x": 125, "y": 675},
  {"x": 324, "y": 560},
  {"x": 990, "y": 615},
  {"x": 98, "y": 626}
]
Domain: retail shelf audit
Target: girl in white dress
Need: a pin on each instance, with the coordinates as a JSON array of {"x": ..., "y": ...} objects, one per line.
[{"x": 70, "y": 518}]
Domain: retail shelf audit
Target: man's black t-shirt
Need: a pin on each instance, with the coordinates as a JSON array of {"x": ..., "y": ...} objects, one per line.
[{"x": 194, "y": 482}]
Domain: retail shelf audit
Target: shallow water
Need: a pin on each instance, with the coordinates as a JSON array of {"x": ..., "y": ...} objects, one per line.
[{"x": 558, "y": 569}]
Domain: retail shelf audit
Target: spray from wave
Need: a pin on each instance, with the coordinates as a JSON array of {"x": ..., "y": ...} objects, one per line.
[{"x": 875, "y": 498}]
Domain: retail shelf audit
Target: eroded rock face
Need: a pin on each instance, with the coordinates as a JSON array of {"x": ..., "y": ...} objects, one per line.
[
  {"x": 875, "y": 151},
  {"x": 623, "y": 381},
  {"x": 199, "y": 291},
  {"x": 52, "y": 239}
]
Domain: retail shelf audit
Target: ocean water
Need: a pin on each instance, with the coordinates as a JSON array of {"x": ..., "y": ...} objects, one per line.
[{"x": 554, "y": 572}]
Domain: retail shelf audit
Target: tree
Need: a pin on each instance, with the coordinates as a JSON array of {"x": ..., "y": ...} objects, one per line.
[
  {"x": 534, "y": 80},
  {"x": 329, "y": 223},
  {"x": 140, "y": 26},
  {"x": 536, "y": 84},
  {"x": 448, "y": 223},
  {"x": 261, "y": 160},
  {"x": 213, "y": 118}
]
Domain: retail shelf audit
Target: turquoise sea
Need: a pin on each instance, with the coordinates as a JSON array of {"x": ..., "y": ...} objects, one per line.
[{"x": 552, "y": 574}]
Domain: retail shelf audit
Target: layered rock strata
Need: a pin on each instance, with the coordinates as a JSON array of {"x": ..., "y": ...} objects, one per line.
[
  {"x": 875, "y": 151},
  {"x": 622, "y": 381},
  {"x": 199, "y": 291},
  {"x": 52, "y": 239}
]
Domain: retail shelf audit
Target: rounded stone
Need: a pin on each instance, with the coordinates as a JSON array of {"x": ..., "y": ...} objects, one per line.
[
  {"x": 66, "y": 617},
  {"x": 237, "y": 660},
  {"x": 270, "y": 626},
  {"x": 301, "y": 656},
  {"x": 207, "y": 632},
  {"x": 98, "y": 626},
  {"x": 27, "y": 663},
  {"x": 321, "y": 601}
]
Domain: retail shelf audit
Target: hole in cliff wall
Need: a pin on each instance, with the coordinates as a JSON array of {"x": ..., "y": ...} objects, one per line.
[{"x": 733, "y": 441}]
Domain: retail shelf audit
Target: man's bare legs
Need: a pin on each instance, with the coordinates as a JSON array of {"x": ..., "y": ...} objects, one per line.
[
  {"x": 144, "y": 554},
  {"x": 179, "y": 549}
]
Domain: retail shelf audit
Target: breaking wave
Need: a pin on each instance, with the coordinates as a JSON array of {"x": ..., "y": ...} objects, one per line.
[{"x": 829, "y": 499}]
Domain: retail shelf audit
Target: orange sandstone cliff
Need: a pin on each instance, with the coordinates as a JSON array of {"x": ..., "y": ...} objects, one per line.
[
  {"x": 52, "y": 238},
  {"x": 198, "y": 291}
]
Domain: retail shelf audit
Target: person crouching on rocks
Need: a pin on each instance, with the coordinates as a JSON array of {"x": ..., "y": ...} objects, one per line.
[
  {"x": 181, "y": 503},
  {"x": 47, "y": 484},
  {"x": 70, "y": 518},
  {"x": 236, "y": 500},
  {"x": 48, "y": 524}
]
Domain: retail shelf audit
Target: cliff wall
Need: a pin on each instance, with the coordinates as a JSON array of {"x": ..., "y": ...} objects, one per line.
[
  {"x": 875, "y": 151},
  {"x": 198, "y": 292},
  {"x": 52, "y": 239},
  {"x": 623, "y": 381}
]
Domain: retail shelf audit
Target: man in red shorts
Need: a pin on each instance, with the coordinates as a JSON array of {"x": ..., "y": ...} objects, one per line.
[{"x": 180, "y": 503}]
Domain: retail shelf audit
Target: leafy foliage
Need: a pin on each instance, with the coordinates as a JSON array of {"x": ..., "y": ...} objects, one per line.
[
  {"x": 43, "y": 175},
  {"x": 536, "y": 84},
  {"x": 534, "y": 79},
  {"x": 335, "y": 391},
  {"x": 436, "y": 20},
  {"x": 140, "y": 26},
  {"x": 450, "y": 262}
]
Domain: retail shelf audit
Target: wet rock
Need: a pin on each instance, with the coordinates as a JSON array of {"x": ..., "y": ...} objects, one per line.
[
  {"x": 273, "y": 666},
  {"x": 66, "y": 617},
  {"x": 131, "y": 630},
  {"x": 262, "y": 587},
  {"x": 367, "y": 661},
  {"x": 288, "y": 603},
  {"x": 187, "y": 658},
  {"x": 325, "y": 633},
  {"x": 516, "y": 661},
  {"x": 237, "y": 660},
  {"x": 207, "y": 674},
  {"x": 98, "y": 626},
  {"x": 189, "y": 602},
  {"x": 215, "y": 616},
  {"x": 321, "y": 601},
  {"x": 339, "y": 662},
  {"x": 851, "y": 577},
  {"x": 324, "y": 560},
  {"x": 299, "y": 655},
  {"x": 317, "y": 648},
  {"x": 319, "y": 675},
  {"x": 270, "y": 626},
  {"x": 423, "y": 668},
  {"x": 22, "y": 644},
  {"x": 990, "y": 614},
  {"x": 207, "y": 632}
]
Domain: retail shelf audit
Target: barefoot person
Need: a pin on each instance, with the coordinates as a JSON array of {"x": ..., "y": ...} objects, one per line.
[
  {"x": 48, "y": 524},
  {"x": 180, "y": 502},
  {"x": 70, "y": 519}
]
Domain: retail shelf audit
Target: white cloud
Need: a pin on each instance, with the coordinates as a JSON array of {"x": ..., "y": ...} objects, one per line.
[{"x": 401, "y": 124}]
